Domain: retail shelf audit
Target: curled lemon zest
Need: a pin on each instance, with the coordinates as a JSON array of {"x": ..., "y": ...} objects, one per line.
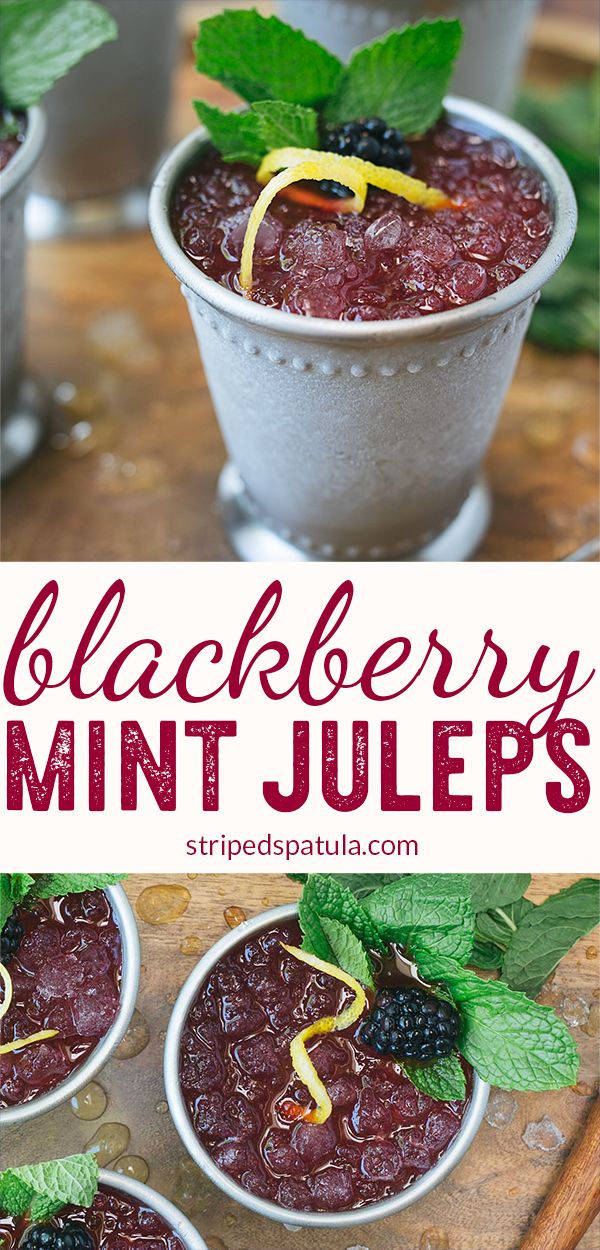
[
  {"x": 7, "y": 1047},
  {"x": 301, "y": 1060},
  {"x": 284, "y": 166}
]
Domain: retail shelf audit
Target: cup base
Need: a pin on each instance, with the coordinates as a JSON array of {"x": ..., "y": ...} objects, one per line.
[
  {"x": 23, "y": 428},
  {"x": 47, "y": 218},
  {"x": 253, "y": 539}
]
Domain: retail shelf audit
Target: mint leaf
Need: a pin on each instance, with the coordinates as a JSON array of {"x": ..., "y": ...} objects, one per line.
[
  {"x": 349, "y": 952},
  {"x": 236, "y": 135},
  {"x": 444, "y": 1079},
  {"x": 547, "y": 932},
  {"x": 14, "y": 886},
  {"x": 15, "y": 1195},
  {"x": 511, "y": 1041},
  {"x": 402, "y": 78},
  {"x": 48, "y": 885},
  {"x": 286, "y": 125},
  {"x": 314, "y": 940},
  {"x": 486, "y": 955},
  {"x": 265, "y": 125},
  {"x": 500, "y": 923},
  {"x": 494, "y": 889},
  {"x": 360, "y": 883},
  {"x": 264, "y": 59},
  {"x": 41, "y": 43},
  {"x": 327, "y": 897},
  {"x": 50, "y": 1186},
  {"x": 430, "y": 912}
]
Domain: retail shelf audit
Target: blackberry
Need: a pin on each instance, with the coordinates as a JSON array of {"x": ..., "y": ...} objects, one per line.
[
  {"x": 70, "y": 1237},
  {"x": 412, "y": 1024},
  {"x": 372, "y": 140},
  {"x": 11, "y": 938}
]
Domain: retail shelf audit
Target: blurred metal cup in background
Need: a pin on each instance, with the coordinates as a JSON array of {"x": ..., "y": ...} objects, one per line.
[
  {"x": 22, "y": 404},
  {"x": 494, "y": 43},
  {"x": 107, "y": 126}
]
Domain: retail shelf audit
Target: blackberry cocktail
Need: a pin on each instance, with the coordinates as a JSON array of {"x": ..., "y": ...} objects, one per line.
[
  {"x": 252, "y": 1112},
  {"x": 393, "y": 260},
  {"x": 63, "y": 958},
  {"x": 114, "y": 1220}
]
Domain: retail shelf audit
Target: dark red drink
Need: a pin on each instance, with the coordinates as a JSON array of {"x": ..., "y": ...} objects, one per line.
[
  {"x": 238, "y": 1084},
  {"x": 66, "y": 975},
  {"x": 392, "y": 261},
  {"x": 114, "y": 1219},
  {"x": 12, "y": 134}
]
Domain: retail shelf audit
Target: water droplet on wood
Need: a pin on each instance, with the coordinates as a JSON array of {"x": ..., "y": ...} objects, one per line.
[
  {"x": 191, "y": 945},
  {"x": 90, "y": 1103},
  {"x": 162, "y": 904},
  {"x": 434, "y": 1239},
  {"x": 234, "y": 916},
  {"x": 134, "y": 1166},
  {"x": 109, "y": 1142},
  {"x": 136, "y": 1038}
]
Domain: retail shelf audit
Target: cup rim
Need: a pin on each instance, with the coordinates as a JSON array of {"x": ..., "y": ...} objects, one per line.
[
  {"x": 24, "y": 159},
  {"x": 179, "y": 1222},
  {"x": 445, "y": 324},
  {"x": 272, "y": 1210},
  {"x": 130, "y": 976}
]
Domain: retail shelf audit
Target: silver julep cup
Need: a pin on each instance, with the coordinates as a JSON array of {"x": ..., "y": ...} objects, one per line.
[
  {"x": 151, "y": 1198},
  {"x": 495, "y": 35},
  {"x": 22, "y": 407},
  {"x": 356, "y": 440},
  {"x": 260, "y": 1206},
  {"x": 107, "y": 126},
  {"x": 125, "y": 920}
]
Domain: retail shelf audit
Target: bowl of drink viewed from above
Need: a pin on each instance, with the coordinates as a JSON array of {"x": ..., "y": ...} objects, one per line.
[
  {"x": 70, "y": 972},
  {"x": 243, "y": 1112},
  {"x": 491, "y": 57},
  {"x": 77, "y": 27},
  {"x": 360, "y": 272},
  {"x": 97, "y": 1210}
]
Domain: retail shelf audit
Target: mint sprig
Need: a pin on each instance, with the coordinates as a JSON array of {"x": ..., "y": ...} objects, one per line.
[
  {"x": 43, "y": 1189},
  {"x": 293, "y": 85},
  {"x": 443, "y": 1080},
  {"x": 402, "y": 78},
  {"x": 546, "y": 932},
  {"x": 328, "y": 898},
  {"x": 511, "y": 1041},
  {"x": 19, "y": 887},
  {"x": 42, "y": 41}
]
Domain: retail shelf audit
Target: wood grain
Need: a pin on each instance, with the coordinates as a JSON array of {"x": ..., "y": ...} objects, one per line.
[
  {"x": 130, "y": 468},
  {"x": 487, "y": 1203}
]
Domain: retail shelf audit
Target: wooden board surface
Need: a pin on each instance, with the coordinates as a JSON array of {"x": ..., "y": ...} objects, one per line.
[
  {"x": 487, "y": 1202},
  {"x": 131, "y": 466}
]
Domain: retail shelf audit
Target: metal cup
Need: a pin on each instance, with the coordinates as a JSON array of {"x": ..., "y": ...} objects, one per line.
[
  {"x": 130, "y": 977},
  {"x": 495, "y": 35},
  {"x": 22, "y": 406},
  {"x": 151, "y": 1198},
  {"x": 356, "y": 440},
  {"x": 107, "y": 125},
  {"x": 283, "y": 1215}
]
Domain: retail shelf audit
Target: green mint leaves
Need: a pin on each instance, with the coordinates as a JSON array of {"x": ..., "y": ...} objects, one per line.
[
  {"x": 262, "y": 58},
  {"x": 42, "y": 42},
  {"x": 426, "y": 912},
  {"x": 545, "y": 933},
  {"x": 20, "y": 887},
  {"x": 266, "y": 125},
  {"x": 444, "y": 1079},
  {"x": 292, "y": 83},
  {"x": 511, "y": 1041},
  {"x": 42, "y": 1189},
  {"x": 443, "y": 922},
  {"x": 348, "y": 951},
  {"x": 402, "y": 78}
]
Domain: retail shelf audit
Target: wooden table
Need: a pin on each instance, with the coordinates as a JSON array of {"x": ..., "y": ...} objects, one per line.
[
  {"x": 130, "y": 469},
  {"x": 487, "y": 1202}
]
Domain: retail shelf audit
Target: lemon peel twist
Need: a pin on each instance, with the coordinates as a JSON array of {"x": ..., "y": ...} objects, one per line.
[
  {"x": 7, "y": 1047},
  {"x": 284, "y": 166},
  {"x": 301, "y": 1060}
]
